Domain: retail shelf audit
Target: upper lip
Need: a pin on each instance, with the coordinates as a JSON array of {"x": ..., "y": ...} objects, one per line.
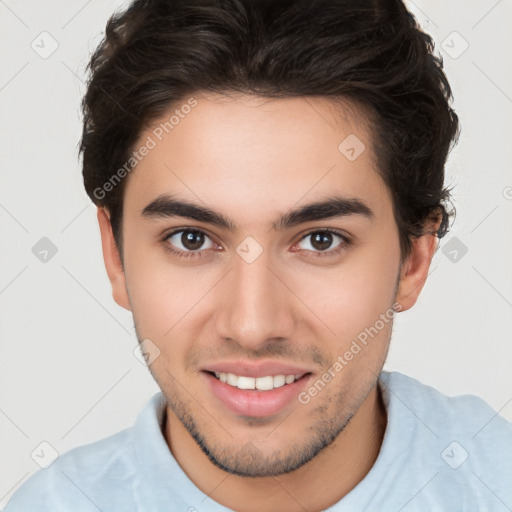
[{"x": 255, "y": 369}]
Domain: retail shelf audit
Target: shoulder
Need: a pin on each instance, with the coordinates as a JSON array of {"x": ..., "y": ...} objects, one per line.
[
  {"x": 77, "y": 477},
  {"x": 460, "y": 441},
  {"x": 467, "y": 415},
  {"x": 102, "y": 475}
]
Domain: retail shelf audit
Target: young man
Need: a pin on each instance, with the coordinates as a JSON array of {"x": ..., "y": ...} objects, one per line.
[{"x": 269, "y": 182}]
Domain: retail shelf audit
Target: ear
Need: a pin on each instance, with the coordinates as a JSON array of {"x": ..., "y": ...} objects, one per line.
[
  {"x": 112, "y": 260},
  {"x": 414, "y": 270}
]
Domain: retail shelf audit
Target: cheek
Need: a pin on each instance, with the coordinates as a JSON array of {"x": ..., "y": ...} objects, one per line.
[
  {"x": 352, "y": 297},
  {"x": 161, "y": 297},
  {"x": 165, "y": 295},
  {"x": 168, "y": 297},
  {"x": 162, "y": 307}
]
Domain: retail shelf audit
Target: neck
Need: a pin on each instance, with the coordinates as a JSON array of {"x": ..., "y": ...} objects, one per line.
[{"x": 332, "y": 474}]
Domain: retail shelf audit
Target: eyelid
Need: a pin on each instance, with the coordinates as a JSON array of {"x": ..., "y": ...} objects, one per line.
[
  {"x": 179, "y": 253},
  {"x": 206, "y": 238},
  {"x": 174, "y": 231},
  {"x": 346, "y": 240},
  {"x": 334, "y": 231}
]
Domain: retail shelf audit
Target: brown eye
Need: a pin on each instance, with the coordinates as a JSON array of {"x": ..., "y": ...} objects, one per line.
[
  {"x": 323, "y": 240},
  {"x": 188, "y": 240}
]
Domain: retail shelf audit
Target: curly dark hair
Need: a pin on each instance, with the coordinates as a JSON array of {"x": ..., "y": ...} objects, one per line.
[{"x": 156, "y": 53}]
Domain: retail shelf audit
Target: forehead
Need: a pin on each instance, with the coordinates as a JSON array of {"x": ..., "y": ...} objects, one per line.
[{"x": 248, "y": 154}]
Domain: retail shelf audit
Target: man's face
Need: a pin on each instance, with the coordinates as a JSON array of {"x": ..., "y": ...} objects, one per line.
[{"x": 260, "y": 302}]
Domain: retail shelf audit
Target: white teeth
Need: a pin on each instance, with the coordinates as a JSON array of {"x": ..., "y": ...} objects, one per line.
[
  {"x": 264, "y": 383},
  {"x": 232, "y": 379},
  {"x": 280, "y": 380},
  {"x": 261, "y": 383},
  {"x": 246, "y": 383}
]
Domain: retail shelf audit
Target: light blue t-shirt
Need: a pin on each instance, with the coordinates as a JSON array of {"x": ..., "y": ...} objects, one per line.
[{"x": 439, "y": 453}]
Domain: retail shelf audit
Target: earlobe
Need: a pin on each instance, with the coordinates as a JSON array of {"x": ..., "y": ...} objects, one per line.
[
  {"x": 414, "y": 272},
  {"x": 112, "y": 259}
]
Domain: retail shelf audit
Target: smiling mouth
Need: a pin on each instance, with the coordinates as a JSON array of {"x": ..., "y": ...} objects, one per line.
[{"x": 265, "y": 383}]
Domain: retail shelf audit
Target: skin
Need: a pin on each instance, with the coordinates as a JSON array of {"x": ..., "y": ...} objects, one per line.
[{"x": 253, "y": 159}]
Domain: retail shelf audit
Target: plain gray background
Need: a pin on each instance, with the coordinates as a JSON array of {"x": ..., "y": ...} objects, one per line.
[{"x": 68, "y": 373}]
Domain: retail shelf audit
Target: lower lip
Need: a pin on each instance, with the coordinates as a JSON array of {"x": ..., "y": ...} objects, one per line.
[{"x": 251, "y": 402}]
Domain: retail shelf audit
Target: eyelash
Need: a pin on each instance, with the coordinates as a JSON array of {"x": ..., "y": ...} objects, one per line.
[{"x": 346, "y": 242}]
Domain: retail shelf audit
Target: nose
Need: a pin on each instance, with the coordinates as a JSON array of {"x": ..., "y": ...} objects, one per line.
[{"x": 256, "y": 307}]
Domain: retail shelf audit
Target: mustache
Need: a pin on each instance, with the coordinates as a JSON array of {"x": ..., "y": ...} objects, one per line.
[{"x": 278, "y": 350}]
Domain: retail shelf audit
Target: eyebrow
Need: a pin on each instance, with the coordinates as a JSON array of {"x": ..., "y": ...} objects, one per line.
[{"x": 168, "y": 206}]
